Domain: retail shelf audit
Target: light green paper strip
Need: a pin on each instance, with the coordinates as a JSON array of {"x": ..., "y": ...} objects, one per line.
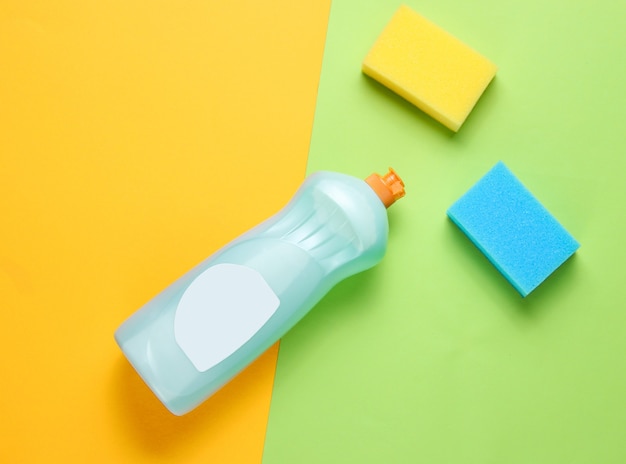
[{"x": 432, "y": 356}]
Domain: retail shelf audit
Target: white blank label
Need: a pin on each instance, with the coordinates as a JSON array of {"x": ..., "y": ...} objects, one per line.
[{"x": 220, "y": 311}]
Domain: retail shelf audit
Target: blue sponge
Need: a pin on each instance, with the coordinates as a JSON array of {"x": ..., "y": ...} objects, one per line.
[{"x": 507, "y": 223}]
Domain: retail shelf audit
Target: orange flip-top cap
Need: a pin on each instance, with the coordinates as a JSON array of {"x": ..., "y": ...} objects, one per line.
[{"x": 389, "y": 187}]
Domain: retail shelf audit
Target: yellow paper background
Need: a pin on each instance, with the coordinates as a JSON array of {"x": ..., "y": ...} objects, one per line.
[{"x": 135, "y": 139}]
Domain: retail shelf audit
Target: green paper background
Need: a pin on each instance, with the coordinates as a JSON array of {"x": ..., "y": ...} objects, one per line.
[{"x": 432, "y": 356}]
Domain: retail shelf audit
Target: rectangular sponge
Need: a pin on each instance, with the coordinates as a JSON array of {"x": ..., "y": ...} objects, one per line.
[
  {"x": 429, "y": 67},
  {"x": 518, "y": 235}
]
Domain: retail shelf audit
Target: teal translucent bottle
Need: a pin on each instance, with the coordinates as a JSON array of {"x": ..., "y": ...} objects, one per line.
[{"x": 216, "y": 319}]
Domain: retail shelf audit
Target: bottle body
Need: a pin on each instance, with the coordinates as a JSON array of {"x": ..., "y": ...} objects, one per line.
[{"x": 207, "y": 326}]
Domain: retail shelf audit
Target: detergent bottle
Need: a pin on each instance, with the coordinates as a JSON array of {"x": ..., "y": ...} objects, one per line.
[{"x": 212, "y": 322}]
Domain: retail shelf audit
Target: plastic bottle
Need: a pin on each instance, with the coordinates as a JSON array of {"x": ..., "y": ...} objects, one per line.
[{"x": 211, "y": 323}]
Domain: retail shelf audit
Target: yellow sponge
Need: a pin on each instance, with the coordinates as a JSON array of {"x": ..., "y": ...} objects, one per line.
[{"x": 429, "y": 67}]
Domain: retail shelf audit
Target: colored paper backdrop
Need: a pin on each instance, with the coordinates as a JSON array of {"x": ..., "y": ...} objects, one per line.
[
  {"x": 136, "y": 138},
  {"x": 432, "y": 356}
]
